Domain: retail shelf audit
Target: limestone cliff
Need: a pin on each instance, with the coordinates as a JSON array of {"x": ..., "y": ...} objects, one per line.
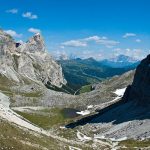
[{"x": 30, "y": 60}]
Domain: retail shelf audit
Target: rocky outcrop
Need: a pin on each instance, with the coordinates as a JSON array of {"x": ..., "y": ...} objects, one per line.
[
  {"x": 30, "y": 60},
  {"x": 34, "y": 44},
  {"x": 7, "y": 43},
  {"x": 139, "y": 91}
]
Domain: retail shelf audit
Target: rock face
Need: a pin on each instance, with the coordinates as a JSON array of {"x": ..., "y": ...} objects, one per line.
[
  {"x": 7, "y": 44},
  {"x": 139, "y": 91},
  {"x": 34, "y": 44},
  {"x": 29, "y": 60}
]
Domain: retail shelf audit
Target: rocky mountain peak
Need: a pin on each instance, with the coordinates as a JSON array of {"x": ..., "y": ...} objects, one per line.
[
  {"x": 123, "y": 58},
  {"x": 139, "y": 91},
  {"x": 35, "y": 44},
  {"x": 29, "y": 60}
]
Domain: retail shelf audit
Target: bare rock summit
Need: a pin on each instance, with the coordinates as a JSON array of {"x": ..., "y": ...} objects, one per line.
[{"x": 28, "y": 60}]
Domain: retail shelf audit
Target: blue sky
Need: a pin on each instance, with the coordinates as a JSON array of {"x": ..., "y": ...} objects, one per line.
[{"x": 84, "y": 28}]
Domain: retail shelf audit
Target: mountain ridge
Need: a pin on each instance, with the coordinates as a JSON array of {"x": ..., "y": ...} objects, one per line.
[{"x": 80, "y": 72}]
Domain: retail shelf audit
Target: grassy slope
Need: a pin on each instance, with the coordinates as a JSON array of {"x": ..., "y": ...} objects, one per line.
[
  {"x": 86, "y": 88},
  {"x": 17, "y": 139},
  {"x": 46, "y": 118},
  {"x": 14, "y": 138},
  {"x": 132, "y": 144},
  {"x": 5, "y": 84}
]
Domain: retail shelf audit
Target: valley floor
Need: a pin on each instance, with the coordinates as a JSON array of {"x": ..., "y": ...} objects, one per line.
[{"x": 40, "y": 125}]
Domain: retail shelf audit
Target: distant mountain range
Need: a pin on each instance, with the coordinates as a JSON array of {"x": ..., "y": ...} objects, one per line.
[
  {"x": 121, "y": 61},
  {"x": 79, "y": 72}
]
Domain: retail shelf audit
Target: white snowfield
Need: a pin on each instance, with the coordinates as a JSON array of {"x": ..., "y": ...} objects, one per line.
[
  {"x": 120, "y": 92},
  {"x": 83, "y": 113},
  {"x": 90, "y": 107}
]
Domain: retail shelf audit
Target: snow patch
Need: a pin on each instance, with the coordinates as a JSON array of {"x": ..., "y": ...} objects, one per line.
[
  {"x": 74, "y": 148},
  {"x": 119, "y": 139},
  {"x": 83, "y": 113},
  {"x": 120, "y": 92},
  {"x": 90, "y": 107},
  {"x": 102, "y": 137},
  {"x": 62, "y": 127}
]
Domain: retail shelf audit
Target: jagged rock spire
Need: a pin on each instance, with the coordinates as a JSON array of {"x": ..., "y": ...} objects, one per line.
[{"x": 35, "y": 44}]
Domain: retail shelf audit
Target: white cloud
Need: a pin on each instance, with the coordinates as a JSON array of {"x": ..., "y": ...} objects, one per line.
[
  {"x": 12, "y": 11},
  {"x": 138, "y": 40},
  {"x": 33, "y": 30},
  {"x": 95, "y": 38},
  {"x": 62, "y": 47},
  {"x": 117, "y": 50},
  {"x": 128, "y": 49},
  {"x": 87, "y": 53},
  {"x": 84, "y": 42},
  {"x": 75, "y": 43},
  {"x": 29, "y": 15},
  {"x": 137, "y": 54},
  {"x": 92, "y": 38},
  {"x": 20, "y": 41},
  {"x": 129, "y": 35},
  {"x": 103, "y": 41},
  {"x": 108, "y": 43},
  {"x": 59, "y": 54},
  {"x": 13, "y": 33}
]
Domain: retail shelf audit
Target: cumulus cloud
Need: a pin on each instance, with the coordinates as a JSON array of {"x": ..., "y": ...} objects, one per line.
[
  {"x": 75, "y": 43},
  {"x": 84, "y": 42},
  {"x": 129, "y": 35},
  {"x": 138, "y": 54},
  {"x": 12, "y": 11},
  {"x": 34, "y": 30},
  {"x": 117, "y": 50},
  {"x": 20, "y": 41},
  {"x": 95, "y": 38},
  {"x": 108, "y": 43},
  {"x": 13, "y": 33},
  {"x": 138, "y": 40},
  {"x": 29, "y": 15},
  {"x": 135, "y": 53},
  {"x": 103, "y": 41},
  {"x": 62, "y": 47},
  {"x": 87, "y": 53},
  {"x": 92, "y": 38},
  {"x": 57, "y": 54}
]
